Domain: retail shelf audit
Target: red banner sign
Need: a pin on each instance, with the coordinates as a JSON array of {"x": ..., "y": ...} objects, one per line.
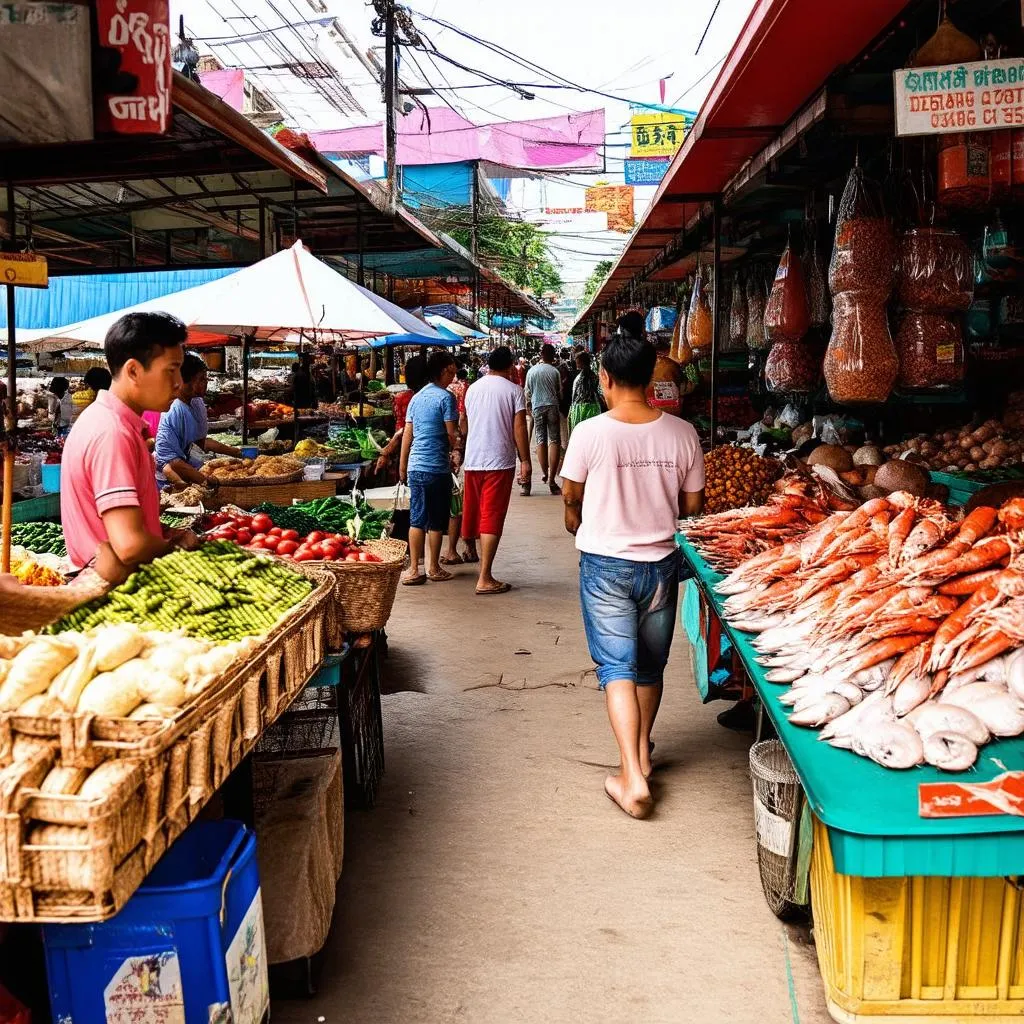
[
  {"x": 1002, "y": 795},
  {"x": 134, "y": 37}
]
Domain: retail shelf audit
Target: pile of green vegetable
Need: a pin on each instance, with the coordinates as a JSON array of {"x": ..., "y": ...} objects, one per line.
[
  {"x": 353, "y": 444},
  {"x": 42, "y": 538},
  {"x": 218, "y": 592},
  {"x": 331, "y": 515}
]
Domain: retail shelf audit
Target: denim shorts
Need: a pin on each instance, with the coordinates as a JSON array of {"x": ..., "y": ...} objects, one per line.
[
  {"x": 547, "y": 425},
  {"x": 430, "y": 499},
  {"x": 629, "y": 613}
]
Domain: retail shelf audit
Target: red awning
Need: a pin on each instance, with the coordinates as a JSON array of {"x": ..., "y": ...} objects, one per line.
[{"x": 784, "y": 53}]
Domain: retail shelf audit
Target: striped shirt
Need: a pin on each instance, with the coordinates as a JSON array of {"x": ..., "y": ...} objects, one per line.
[{"x": 105, "y": 465}]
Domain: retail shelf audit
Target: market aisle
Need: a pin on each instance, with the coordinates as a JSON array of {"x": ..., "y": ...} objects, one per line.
[{"x": 495, "y": 882}]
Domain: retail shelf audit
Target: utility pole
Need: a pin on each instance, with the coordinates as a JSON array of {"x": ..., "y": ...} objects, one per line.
[
  {"x": 474, "y": 199},
  {"x": 390, "y": 55}
]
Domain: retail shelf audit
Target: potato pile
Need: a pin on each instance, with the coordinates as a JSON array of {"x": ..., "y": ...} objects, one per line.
[
  {"x": 736, "y": 477},
  {"x": 990, "y": 446}
]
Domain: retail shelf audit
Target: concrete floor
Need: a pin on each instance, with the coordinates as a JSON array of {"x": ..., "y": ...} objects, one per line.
[{"x": 494, "y": 881}]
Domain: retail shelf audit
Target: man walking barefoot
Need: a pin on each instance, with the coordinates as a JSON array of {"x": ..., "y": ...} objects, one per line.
[
  {"x": 544, "y": 392},
  {"x": 496, "y": 430},
  {"x": 628, "y": 476}
]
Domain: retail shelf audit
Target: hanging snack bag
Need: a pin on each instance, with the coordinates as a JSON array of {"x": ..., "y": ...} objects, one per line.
[
  {"x": 699, "y": 325},
  {"x": 738, "y": 316},
  {"x": 930, "y": 347},
  {"x": 818, "y": 304},
  {"x": 860, "y": 364},
  {"x": 792, "y": 367},
  {"x": 935, "y": 270},
  {"x": 756, "y": 298},
  {"x": 785, "y": 315},
  {"x": 863, "y": 257}
]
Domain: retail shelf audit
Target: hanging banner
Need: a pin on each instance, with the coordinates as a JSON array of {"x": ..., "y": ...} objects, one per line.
[
  {"x": 24, "y": 269},
  {"x": 134, "y": 71},
  {"x": 614, "y": 200},
  {"x": 659, "y": 132},
  {"x": 645, "y": 172},
  {"x": 984, "y": 94}
]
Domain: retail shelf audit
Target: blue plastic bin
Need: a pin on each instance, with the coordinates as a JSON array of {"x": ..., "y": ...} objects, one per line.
[
  {"x": 188, "y": 947},
  {"x": 51, "y": 477},
  {"x": 250, "y": 451}
]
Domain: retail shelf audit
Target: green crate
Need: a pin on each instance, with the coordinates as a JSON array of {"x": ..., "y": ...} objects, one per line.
[
  {"x": 960, "y": 488},
  {"x": 45, "y": 507}
]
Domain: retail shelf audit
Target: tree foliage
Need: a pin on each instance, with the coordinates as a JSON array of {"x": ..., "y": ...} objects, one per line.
[
  {"x": 517, "y": 249},
  {"x": 596, "y": 279}
]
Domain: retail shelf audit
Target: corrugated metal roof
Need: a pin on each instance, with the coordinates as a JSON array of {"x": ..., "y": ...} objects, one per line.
[{"x": 71, "y": 299}]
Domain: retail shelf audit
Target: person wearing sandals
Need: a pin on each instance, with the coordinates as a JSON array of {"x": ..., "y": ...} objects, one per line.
[
  {"x": 451, "y": 556},
  {"x": 428, "y": 443}
]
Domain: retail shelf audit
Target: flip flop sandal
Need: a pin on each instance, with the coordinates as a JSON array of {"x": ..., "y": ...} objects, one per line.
[
  {"x": 416, "y": 581},
  {"x": 470, "y": 559},
  {"x": 453, "y": 560},
  {"x": 439, "y": 577},
  {"x": 503, "y": 589}
]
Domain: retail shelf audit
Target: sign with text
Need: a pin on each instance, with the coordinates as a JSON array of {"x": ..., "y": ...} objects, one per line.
[
  {"x": 645, "y": 172},
  {"x": 614, "y": 200},
  {"x": 24, "y": 269},
  {"x": 658, "y": 132},
  {"x": 984, "y": 94},
  {"x": 1002, "y": 795}
]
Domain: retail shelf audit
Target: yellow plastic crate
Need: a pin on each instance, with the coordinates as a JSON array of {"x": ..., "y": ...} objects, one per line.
[{"x": 909, "y": 950}]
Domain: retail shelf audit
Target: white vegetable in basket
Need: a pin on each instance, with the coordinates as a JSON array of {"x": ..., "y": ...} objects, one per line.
[
  {"x": 34, "y": 668},
  {"x": 151, "y": 712},
  {"x": 173, "y": 655},
  {"x": 63, "y": 781},
  {"x": 106, "y": 777},
  {"x": 115, "y": 694},
  {"x": 59, "y": 835},
  {"x": 26, "y": 747},
  {"x": 115, "y": 645},
  {"x": 159, "y": 688},
  {"x": 42, "y": 705},
  {"x": 67, "y": 688},
  {"x": 11, "y": 645}
]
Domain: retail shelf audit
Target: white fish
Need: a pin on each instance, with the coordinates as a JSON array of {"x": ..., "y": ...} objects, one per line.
[
  {"x": 830, "y": 706},
  {"x": 894, "y": 745},
  {"x": 936, "y": 716},
  {"x": 911, "y": 692},
  {"x": 1001, "y": 712},
  {"x": 950, "y": 751},
  {"x": 870, "y": 679},
  {"x": 734, "y": 583},
  {"x": 757, "y": 623},
  {"x": 1015, "y": 673},
  {"x": 783, "y": 674},
  {"x": 781, "y": 637}
]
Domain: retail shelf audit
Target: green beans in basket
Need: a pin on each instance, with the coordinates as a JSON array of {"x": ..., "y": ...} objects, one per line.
[{"x": 42, "y": 538}]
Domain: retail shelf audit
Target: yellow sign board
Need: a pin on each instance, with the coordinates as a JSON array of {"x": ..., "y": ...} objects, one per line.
[
  {"x": 25, "y": 269},
  {"x": 658, "y": 132}
]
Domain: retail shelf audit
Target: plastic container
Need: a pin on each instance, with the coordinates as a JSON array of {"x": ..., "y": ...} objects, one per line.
[
  {"x": 250, "y": 451},
  {"x": 906, "y": 949},
  {"x": 51, "y": 477},
  {"x": 188, "y": 947}
]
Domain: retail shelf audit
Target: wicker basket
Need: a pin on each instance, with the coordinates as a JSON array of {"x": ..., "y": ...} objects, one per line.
[
  {"x": 35, "y": 607},
  {"x": 259, "y": 481},
  {"x": 364, "y": 591}
]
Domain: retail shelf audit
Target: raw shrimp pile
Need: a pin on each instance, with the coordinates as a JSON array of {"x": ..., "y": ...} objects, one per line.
[
  {"x": 898, "y": 628},
  {"x": 727, "y": 539}
]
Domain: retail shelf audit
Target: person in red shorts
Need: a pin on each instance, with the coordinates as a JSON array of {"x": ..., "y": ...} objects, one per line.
[{"x": 496, "y": 421}]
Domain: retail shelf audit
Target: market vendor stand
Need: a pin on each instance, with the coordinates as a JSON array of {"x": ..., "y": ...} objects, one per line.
[{"x": 913, "y": 916}]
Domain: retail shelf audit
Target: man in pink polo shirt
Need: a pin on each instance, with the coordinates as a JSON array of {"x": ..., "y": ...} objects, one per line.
[{"x": 108, "y": 481}]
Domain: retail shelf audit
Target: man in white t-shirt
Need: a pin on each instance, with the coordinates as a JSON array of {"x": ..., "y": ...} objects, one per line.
[
  {"x": 628, "y": 475},
  {"x": 495, "y": 429}
]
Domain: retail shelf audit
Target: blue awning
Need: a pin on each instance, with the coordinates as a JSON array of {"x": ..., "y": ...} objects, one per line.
[{"x": 450, "y": 340}]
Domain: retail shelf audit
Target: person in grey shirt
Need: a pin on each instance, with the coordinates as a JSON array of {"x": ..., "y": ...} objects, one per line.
[{"x": 543, "y": 393}]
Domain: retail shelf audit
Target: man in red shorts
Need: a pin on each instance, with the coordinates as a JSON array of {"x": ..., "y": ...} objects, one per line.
[{"x": 496, "y": 421}]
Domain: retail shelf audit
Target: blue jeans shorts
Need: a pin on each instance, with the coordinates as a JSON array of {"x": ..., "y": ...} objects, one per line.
[
  {"x": 430, "y": 500},
  {"x": 629, "y": 613},
  {"x": 547, "y": 425}
]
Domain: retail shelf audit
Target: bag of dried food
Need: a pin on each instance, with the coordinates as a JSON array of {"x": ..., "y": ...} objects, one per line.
[
  {"x": 935, "y": 270},
  {"x": 699, "y": 324},
  {"x": 792, "y": 367},
  {"x": 785, "y": 315},
  {"x": 818, "y": 304},
  {"x": 756, "y": 298},
  {"x": 860, "y": 364},
  {"x": 930, "y": 347},
  {"x": 863, "y": 258},
  {"x": 738, "y": 316}
]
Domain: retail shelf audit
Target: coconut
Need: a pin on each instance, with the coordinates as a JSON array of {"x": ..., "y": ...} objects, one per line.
[
  {"x": 868, "y": 455},
  {"x": 902, "y": 475},
  {"x": 832, "y": 455},
  {"x": 869, "y": 491}
]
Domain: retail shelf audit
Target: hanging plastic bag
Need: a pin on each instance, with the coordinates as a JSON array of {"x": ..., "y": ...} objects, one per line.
[
  {"x": 785, "y": 314},
  {"x": 699, "y": 324},
  {"x": 930, "y": 348},
  {"x": 935, "y": 270},
  {"x": 861, "y": 363},
  {"x": 756, "y": 298},
  {"x": 738, "y": 316},
  {"x": 818, "y": 304},
  {"x": 863, "y": 257},
  {"x": 791, "y": 368}
]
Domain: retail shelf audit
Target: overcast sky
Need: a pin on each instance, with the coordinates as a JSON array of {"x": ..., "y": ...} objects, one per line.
[{"x": 614, "y": 46}]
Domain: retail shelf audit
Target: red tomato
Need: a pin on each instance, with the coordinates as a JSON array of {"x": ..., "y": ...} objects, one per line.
[
  {"x": 331, "y": 551},
  {"x": 259, "y": 536},
  {"x": 276, "y": 531},
  {"x": 315, "y": 537},
  {"x": 287, "y": 547},
  {"x": 244, "y": 537},
  {"x": 217, "y": 519},
  {"x": 316, "y": 549},
  {"x": 270, "y": 542},
  {"x": 368, "y": 556},
  {"x": 302, "y": 556},
  {"x": 262, "y": 523},
  {"x": 241, "y": 519},
  {"x": 341, "y": 536},
  {"x": 289, "y": 535}
]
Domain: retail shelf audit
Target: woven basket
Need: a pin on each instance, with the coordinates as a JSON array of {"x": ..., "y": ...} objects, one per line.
[
  {"x": 35, "y": 607},
  {"x": 259, "y": 481},
  {"x": 364, "y": 591}
]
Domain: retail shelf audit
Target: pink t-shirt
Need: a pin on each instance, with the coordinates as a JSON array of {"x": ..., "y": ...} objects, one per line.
[
  {"x": 105, "y": 465},
  {"x": 633, "y": 473}
]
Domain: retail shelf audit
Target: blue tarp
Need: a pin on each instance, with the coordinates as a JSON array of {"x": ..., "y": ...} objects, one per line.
[
  {"x": 79, "y": 297},
  {"x": 451, "y": 340}
]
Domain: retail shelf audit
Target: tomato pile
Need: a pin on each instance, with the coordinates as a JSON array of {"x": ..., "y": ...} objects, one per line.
[{"x": 258, "y": 533}]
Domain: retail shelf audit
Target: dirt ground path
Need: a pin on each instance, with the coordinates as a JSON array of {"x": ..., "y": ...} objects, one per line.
[{"x": 494, "y": 882}]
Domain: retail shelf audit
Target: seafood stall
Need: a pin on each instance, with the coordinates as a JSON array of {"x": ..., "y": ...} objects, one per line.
[{"x": 884, "y": 642}]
